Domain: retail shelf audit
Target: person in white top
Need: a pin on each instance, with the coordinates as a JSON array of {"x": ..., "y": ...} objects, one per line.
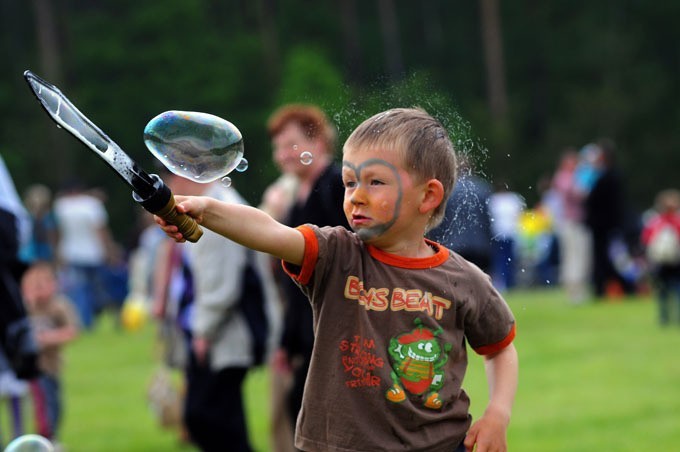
[
  {"x": 505, "y": 208},
  {"x": 82, "y": 250},
  {"x": 221, "y": 349}
]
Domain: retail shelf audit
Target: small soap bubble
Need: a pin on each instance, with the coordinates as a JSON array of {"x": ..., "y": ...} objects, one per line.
[
  {"x": 295, "y": 147},
  {"x": 306, "y": 158},
  {"x": 226, "y": 181},
  {"x": 30, "y": 443},
  {"x": 242, "y": 165}
]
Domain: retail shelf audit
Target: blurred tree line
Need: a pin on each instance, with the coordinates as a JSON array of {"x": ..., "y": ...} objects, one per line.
[{"x": 515, "y": 82}]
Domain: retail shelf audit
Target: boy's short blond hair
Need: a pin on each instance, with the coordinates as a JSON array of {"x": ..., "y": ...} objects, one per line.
[{"x": 424, "y": 142}]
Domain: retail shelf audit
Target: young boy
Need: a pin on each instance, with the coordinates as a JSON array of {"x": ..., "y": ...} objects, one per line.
[
  {"x": 55, "y": 323},
  {"x": 392, "y": 310}
]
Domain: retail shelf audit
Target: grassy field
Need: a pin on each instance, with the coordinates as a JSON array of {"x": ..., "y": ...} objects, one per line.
[{"x": 601, "y": 376}]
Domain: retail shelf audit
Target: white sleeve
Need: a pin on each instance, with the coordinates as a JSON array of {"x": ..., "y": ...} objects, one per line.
[{"x": 217, "y": 266}]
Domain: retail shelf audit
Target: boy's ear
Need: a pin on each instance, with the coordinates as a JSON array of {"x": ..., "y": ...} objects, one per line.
[{"x": 433, "y": 195}]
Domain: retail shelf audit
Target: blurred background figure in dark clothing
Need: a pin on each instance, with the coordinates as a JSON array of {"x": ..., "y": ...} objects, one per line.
[
  {"x": 466, "y": 227},
  {"x": 18, "y": 349},
  {"x": 605, "y": 216},
  {"x": 304, "y": 142}
]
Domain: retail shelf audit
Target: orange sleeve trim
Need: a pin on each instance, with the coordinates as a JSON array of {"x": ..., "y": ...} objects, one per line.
[
  {"x": 308, "y": 259},
  {"x": 498, "y": 346}
]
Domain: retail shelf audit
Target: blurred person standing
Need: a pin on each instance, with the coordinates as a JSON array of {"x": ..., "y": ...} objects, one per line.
[
  {"x": 171, "y": 293},
  {"x": 605, "y": 216},
  {"x": 304, "y": 141},
  {"x": 18, "y": 349},
  {"x": 661, "y": 239},
  {"x": 83, "y": 250},
  {"x": 42, "y": 244},
  {"x": 222, "y": 347},
  {"x": 277, "y": 201},
  {"x": 466, "y": 227},
  {"x": 54, "y": 324},
  {"x": 505, "y": 208},
  {"x": 572, "y": 234}
]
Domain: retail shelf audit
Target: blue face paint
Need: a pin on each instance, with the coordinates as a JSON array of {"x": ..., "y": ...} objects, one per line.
[{"x": 368, "y": 233}]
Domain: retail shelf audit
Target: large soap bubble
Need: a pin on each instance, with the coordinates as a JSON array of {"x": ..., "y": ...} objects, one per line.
[{"x": 198, "y": 146}]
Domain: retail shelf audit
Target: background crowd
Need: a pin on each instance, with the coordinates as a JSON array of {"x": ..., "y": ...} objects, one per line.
[{"x": 223, "y": 310}]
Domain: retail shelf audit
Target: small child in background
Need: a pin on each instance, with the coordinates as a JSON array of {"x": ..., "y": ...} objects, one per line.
[
  {"x": 54, "y": 324},
  {"x": 661, "y": 239}
]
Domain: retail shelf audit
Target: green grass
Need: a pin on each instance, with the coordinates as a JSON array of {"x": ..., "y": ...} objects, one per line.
[{"x": 601, "y": 376}]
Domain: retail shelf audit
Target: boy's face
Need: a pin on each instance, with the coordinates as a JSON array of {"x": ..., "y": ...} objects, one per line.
[{"x": 381, "y": 198}]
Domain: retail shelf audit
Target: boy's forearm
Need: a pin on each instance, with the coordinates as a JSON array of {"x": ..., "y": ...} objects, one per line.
[
  {"x": 502, "y": 373},
  {"x": 253, "y": 228}
]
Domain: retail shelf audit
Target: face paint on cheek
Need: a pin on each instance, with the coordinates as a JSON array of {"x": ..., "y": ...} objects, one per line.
[
  {"x": 368, "y": 233},
  {"x": 377, "y": 230},
  {"x": 374, "y": 231}
]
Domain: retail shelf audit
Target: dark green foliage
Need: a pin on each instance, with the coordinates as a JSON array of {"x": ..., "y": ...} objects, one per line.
[{"x": 574, "y": 71}]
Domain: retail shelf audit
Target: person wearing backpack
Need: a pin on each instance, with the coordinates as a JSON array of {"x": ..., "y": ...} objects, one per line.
[
  {"x": 232, "y": 295},
  {"x": 661, "y": 239}
]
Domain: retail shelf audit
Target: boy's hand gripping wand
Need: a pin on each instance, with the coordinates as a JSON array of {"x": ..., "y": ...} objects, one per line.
[{"x": 148, "y": 190}]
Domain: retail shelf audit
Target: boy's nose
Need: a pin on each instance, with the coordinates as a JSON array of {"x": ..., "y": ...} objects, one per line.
[{"x": 358, "y": 195}]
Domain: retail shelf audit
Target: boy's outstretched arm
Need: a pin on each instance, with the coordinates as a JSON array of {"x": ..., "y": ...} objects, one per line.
[
  {"x": 489, "y": 433},
  {"x": 243, "y": 224}
]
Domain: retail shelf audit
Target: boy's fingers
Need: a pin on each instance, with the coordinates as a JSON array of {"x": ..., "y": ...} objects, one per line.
[
  {"x": 182, "y": 208},
  {"x": 181, "y": 203},
  {"x": 470, "y": 440}
]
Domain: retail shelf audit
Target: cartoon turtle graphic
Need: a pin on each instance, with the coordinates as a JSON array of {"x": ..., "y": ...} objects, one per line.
[{"x": 417, "y": 362}]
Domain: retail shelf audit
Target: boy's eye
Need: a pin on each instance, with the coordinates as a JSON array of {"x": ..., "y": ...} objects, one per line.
[
  {"x": 349, "y": 184},
  {"x": 377, "y": 182}
]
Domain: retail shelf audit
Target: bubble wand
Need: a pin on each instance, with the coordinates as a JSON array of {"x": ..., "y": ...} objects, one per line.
[{"x": 147, "y": 189}]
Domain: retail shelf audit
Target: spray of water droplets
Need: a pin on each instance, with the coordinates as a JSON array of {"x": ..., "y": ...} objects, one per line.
[{"x": 417, "y": 89}]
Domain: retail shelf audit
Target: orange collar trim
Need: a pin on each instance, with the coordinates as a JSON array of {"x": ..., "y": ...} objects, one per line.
[{"x": 440, "y": 256}]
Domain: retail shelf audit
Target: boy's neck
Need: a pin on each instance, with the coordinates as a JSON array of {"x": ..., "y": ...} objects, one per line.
[{"x": 415, "y": 249}]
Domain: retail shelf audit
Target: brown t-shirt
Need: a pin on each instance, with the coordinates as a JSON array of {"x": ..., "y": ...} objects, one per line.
[{"x": 390, "y": 344}]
